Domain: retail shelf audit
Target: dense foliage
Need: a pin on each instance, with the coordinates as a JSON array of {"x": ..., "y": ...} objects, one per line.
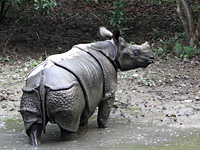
[
  {"x": 43, "y": 6},
  {"x": 185, "y": 44}
]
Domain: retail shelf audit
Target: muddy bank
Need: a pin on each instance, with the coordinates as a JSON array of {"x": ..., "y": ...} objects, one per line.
[
  {"x": 165, "y": 93},
  {"x": 130, "y": 136}
]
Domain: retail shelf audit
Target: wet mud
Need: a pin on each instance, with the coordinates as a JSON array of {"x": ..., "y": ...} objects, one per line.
[
  {"x": 155, "y": 108},
  {"x": 121, "y": 134}
]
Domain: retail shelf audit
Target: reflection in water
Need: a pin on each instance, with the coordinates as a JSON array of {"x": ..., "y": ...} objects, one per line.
[{"x": 121, "y": 134}]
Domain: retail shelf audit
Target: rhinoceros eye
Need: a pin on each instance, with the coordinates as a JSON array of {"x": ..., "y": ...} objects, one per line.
[{"x": 136, "y": 53}]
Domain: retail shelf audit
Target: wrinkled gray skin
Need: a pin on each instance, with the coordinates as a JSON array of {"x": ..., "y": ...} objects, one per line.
[{"x": 66, "y": 88}]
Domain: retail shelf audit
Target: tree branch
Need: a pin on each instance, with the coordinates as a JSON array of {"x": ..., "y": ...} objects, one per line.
[
  {"x": 189, "y": 17},
  {"x": 6, "y": 10},
  {"x": 197, "y": 31},
  {"x": 198, "y": 24},
  {"x": 93, "y": 14},
  {"x": 180, "y": 14},
  {"x": 2, "y": 10}
]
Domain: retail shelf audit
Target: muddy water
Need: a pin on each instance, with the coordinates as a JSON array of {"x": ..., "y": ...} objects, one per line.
[{"x": 120, "y": 135}]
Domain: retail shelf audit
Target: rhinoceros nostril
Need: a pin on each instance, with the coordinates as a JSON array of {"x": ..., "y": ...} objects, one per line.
[
  {"x": 152, "y": 61},
  {"x": 151, "y": 57}
]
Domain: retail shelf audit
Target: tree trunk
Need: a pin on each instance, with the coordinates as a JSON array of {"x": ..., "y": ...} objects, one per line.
[
  {"x": 2, "y": 10},
  {"x": 186, "y": 17},
  {"x": 197, "y": 33}
]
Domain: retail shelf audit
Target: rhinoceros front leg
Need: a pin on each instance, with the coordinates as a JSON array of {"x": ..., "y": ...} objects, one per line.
[
  {"x": 104, "y": 112},
  {"x": 84, "y": 124}
]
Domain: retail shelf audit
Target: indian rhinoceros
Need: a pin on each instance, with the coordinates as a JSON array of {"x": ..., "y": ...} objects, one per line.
[{"x": 66, "y": 88}]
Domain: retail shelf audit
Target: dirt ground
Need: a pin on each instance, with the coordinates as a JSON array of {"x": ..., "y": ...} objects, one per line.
[{"x": 165, "y": 93}]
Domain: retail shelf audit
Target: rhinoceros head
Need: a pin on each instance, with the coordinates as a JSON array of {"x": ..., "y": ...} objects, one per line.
[{"x": 128, "y": 56}]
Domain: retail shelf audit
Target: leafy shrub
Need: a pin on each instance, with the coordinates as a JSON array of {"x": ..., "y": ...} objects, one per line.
[
  {"x": 115, "y": 14},
  {"x": 43, "y": 6},
  {"x": 175, "y": 45},
  {"x": 185, "y": 52}
]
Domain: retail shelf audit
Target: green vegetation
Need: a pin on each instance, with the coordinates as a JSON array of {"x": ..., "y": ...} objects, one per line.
[
  {"x": 114, "y": 15},
  {"x": 117, "y": 17},
  {"x": 175, "y": 45},
  {"x": 185, "y": 45},
  {"x": 33, "y": 63},
  {"x": 42, "y": 6},
  {"x": 6, "y": 54},
  {"x": 145, "y": 80},
  {"x": 24, "y": 69}
]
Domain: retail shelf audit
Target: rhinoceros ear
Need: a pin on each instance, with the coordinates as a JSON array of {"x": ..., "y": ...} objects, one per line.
[
  {"x": 105, "y": 33},
  {"x": 116, "y": 35}
]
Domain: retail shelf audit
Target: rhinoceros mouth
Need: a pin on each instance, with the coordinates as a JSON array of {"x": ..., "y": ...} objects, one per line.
[
  {"x": 146, "y": 63},
  {"x": 145, "y": 66},
  {"x": 150, "y": 61}
]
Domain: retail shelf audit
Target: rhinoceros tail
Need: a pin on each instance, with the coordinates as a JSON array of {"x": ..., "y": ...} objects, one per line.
[{"x": 43, "y": 101}]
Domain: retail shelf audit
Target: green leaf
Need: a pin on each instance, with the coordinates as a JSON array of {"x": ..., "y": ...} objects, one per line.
[
  {"x": 111, "y": 21},
  {"x": 196, "y": 8},
  {"x": 114, "y": 24}
]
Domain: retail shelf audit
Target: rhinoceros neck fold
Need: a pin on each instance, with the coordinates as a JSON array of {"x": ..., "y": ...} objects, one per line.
[
  {"x": 108, "y": 66},
  {"x": 110, "y": 53}
]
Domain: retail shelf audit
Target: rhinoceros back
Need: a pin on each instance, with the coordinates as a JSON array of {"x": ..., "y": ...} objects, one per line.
[{"x": 90, "y": 76}]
